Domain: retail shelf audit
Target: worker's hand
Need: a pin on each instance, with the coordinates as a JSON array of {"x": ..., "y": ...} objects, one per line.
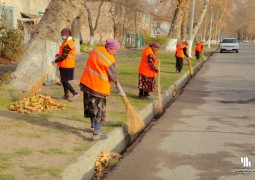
[{"x": 54, "y": 62}]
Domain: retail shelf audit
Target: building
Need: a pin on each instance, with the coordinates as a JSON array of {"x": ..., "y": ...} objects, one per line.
[
  {"x": 24, "y": 13},
  {"x": 127, "y": 28},
  {"x": 27, "y": 13}
]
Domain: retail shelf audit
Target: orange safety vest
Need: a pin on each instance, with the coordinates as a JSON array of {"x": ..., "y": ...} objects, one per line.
[
  {"x": 69, "y": 62},
  {"x": 199, "y": 46},
  {"x": 179, "y": 50},
  {"x": 95, "y": 74},
  {"x": 144, "y": 67}
]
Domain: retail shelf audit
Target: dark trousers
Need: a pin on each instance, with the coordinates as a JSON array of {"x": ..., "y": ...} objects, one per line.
[
  {"x": 68, "y": 87},
  {"x": 179, "y": 64},
  {"x": 197, "y": 54},
  {"x": 143, "y": 93}
]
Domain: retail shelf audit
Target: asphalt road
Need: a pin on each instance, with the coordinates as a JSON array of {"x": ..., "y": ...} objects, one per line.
[{"x": 206, "y": 131}]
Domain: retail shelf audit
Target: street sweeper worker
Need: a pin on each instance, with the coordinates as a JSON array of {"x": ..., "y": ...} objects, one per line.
[
  {"x": 148, "y": 70},
  {"x": 95, "y": 82},
  {"x": 180, "y": 53},
  {"x": 66, "y": 63},
  {"x": 199, "y": 49}
]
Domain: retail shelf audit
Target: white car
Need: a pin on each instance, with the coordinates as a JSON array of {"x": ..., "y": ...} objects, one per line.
[{"x": 229, "y": 44}]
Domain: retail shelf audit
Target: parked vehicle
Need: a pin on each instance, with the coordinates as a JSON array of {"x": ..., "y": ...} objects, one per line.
[{"x": 229, "y": 44}]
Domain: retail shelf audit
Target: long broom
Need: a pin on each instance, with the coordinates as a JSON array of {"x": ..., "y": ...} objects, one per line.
[
  {"x": 191, "y": 73},
  {"x": 203, "y": 56},
  {"x": 134, "y": 122},
  {"x": 40, "y": 82},
  {"x": 159, "y": 107}
]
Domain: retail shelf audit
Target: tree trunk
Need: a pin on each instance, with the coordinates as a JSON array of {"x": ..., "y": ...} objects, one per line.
[
  {"x": 197, "y": 26},
  {"x": 43, "y": 45},
  {"x": 174, "y": 31},
  {"x": 184, "y": 27},
  {"x": 76, "y": 34},
  {"x": 93, "y": 29},
  {"x": 200, "y": 20}
]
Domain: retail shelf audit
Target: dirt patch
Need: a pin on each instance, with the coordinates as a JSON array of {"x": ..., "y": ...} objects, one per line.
[
  {"x": 4, "y": 62},
  {"x": 5, "y": 78}
]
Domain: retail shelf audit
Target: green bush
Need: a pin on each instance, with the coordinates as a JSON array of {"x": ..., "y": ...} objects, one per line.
[
  {"x": 160, "y": 39},
  {"x": 86, "y": 48},
  {"x": 11, "y": 40}
]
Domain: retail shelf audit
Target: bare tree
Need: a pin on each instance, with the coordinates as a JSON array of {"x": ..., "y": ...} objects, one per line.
[
  {"x": 175, "y": 28},
  {"x": 75, "y": 27},
  {"x": 43, "y": 45},
  {"x": 200, "y": 19},
  {"x": 92, "y": 27},
  {"x": 184, "y": 26}
]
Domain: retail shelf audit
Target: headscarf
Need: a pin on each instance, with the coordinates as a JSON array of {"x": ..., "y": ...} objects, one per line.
[
  {"x": 185, "y": 42},
  {"x": 154, "y": 44},
  {"x": 66, "y": 32},
  {"x": 112, "y": 44}
]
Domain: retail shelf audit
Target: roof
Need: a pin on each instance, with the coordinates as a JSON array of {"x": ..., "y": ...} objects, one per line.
[{"x": 30, "y": 16}]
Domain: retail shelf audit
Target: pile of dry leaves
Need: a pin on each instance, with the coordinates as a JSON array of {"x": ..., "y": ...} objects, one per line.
[
  {"x": 104, "y": 163},
  {"x": 36, "y": 103}
]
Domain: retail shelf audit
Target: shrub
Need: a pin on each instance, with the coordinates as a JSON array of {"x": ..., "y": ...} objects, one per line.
[
  {"x": 160, "y": 38},
  {"x": 11, "y": 40}
]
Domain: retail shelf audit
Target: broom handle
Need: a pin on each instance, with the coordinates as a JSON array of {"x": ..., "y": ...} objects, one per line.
[
  {"x": 39, "y": 83},
  {"x": 119, "y": 88},
  {"x": 190, "y": 68}
]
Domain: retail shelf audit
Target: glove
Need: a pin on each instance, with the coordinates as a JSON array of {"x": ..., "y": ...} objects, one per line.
[{"x": 54, "y": 62}]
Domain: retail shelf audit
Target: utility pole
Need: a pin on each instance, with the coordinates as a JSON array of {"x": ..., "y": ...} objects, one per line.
[
  {"x": 210, "y": 30},
  {"x": 191, "y": 27}
]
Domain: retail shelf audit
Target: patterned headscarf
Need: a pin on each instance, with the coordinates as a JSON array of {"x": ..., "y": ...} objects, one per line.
[{"x": 154, "y": 44}]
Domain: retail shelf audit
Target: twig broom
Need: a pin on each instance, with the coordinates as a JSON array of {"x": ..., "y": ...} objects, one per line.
[
  {"x": 191, "y": 73},
  {"x": 159, "y": 107},
  {"x": 39, "y": 83},
  {"x": 203, "y": 56},
  {"x": 134, "y": 122}
]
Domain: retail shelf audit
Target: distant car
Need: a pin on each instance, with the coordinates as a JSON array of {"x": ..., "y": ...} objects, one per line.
[{"x": 229, "y": 44}]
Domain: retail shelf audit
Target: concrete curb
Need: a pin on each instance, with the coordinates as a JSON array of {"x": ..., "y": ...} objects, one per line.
[{"x": 118, "y": 139}]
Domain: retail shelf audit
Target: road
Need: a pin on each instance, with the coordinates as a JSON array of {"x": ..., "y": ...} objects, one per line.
[{"x": 206, "y": 131}]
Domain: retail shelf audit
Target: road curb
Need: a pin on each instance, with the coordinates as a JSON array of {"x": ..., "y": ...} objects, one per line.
[{"x": 118, "y": 139}]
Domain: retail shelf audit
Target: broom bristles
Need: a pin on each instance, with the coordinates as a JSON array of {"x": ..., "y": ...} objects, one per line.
[
  {"x": 134, "y": 122},
  {"x": 39, "y": 83},
  {"x": 191, "y": 73}
]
